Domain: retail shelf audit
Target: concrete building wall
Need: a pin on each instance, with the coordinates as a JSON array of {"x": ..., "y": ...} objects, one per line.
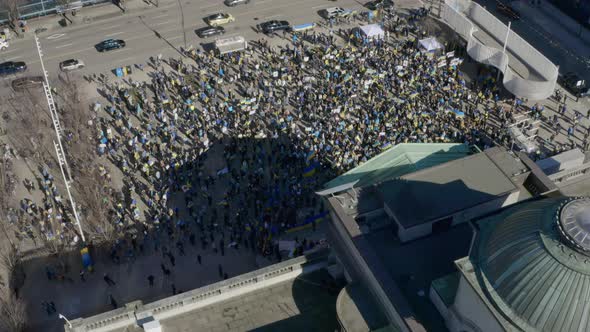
[
  {"x": 425, "y": 229},
  {"x": 357, "y": 268},
  {"x": 469, "y": 312}
]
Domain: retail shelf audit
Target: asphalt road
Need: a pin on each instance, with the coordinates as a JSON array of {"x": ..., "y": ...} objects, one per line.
[{"x": 139, "y": 29}]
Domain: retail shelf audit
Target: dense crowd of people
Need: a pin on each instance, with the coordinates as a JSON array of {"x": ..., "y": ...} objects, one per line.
[{"x": 227, "y": 151}]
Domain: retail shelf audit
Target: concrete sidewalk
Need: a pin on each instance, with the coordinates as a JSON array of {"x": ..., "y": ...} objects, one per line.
[{"x": 97, "y": 14}]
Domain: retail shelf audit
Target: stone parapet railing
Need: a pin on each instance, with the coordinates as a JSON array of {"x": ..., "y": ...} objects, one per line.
[{"x": 133, "y": 314}]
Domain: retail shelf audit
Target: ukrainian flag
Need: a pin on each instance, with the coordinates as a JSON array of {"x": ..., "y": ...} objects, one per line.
[
  {"x": 310, "y": 155},
  {"x": 309, "y": 171}
]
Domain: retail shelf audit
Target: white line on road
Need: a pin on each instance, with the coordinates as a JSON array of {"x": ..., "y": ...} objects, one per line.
[
  {"x": 109, "y": 27},
  {"x": 272, "y": 16},
  {"x": 173, "y": 38},
  {"x": 115, "y": 33},
  {"x": 9, "y": 51},
  {"x": 163, "y": 15},
  {"x": 67, "y": 54},
  {"x": 161, "y": 23},
  {"x": 126, "y": 59},
  {"x": 207, "y": 7},
  {"x": 121, "y": 50},
  {"x": 13, "y": 58},
  {"x": 65, "y": 45},
  {"x": 55, "y": 36},
  {"x": 321, "y": 6}
]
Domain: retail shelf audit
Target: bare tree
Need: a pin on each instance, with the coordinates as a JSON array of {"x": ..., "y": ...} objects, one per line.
[
  {"x": 12, "y": 312},
  {"x": 12, "y": 309},
  {"x": 64, "y": 5},
  {"x": 11, "y": 7},
  {"x": 95, "y": 192}
]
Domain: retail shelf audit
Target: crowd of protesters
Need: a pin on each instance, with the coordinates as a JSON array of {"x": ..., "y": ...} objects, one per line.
[{"x": 227, "y": 151}]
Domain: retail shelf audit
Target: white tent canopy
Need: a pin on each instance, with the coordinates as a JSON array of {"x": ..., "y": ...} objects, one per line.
[
  {"x": 430, "y": 44},
  {"x": 372, "y": 31}
]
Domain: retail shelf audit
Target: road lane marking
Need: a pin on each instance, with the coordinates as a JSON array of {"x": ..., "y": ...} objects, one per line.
[
  {"x": 322, "y": 6},
  {"x": 115, "y": 33},
  {"x": 12, "y": 58},
  {"x": 109, "y": 27},
  {"x": 121, "y": 50},
  {"x": 207, "y": 7},
  {"x": 272, "y": 16},
  {"x": 161, "y": 23},
  {"x": 9, "y": 51},
  {"x": 126, "y": 59},
  {"x": 65, "y": 45},
  {"x": 67, "y": 54},
  {"x": 174, "y": 38},
  {"x": 56, "y": 35},
  {"x": 163, "y": 15}
]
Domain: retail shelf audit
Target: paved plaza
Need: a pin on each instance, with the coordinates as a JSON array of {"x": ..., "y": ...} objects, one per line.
[{"x": 201, "y": 163}]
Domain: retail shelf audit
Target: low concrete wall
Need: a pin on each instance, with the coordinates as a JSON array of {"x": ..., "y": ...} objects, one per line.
[
  {"x": 135, "y": 313},
  {"x": 461, "y": 15}
]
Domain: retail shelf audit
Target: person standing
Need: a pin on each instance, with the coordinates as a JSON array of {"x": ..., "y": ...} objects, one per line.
[{"x": 113, "y": 302}]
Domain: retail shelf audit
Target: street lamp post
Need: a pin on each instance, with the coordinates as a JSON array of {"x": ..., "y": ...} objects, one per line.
[{"x": 67, "y": 321}]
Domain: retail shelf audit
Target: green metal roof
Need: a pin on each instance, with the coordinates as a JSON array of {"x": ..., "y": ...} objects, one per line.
[
  {"x": 527, "y": 271},
  {"x": 400, "y": 160}
]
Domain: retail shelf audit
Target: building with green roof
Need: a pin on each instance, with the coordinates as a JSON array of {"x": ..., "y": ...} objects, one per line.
[
  {"x": 528, "y": 270},
  {"x": 400, "y": 160}
]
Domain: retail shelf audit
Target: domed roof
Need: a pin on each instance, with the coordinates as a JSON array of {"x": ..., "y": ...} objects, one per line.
[{"x": 532, "y": 263}]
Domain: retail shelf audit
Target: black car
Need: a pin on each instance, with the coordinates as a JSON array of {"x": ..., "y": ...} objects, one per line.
[
  {"x": 210, "y": 31},
  {"x": 27, "y": 82},
  {"x": 231, "y": 3},
  {"x": 380, "y": 4},
  {"x": 109, "y": 45},
  {"x": 11, "y": 67},
  {"x": 507, "y": 11},
  {"x": 274, "y": 25},
  {"x": 574, "y": 84}
]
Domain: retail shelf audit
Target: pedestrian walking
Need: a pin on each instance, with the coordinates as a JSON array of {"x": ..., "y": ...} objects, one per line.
[{"x": 108, "y": 280}]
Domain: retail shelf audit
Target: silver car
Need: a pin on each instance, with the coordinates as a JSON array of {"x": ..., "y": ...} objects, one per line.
[
  {"x": 231, "y": 3},
  {"x": 71, "y": 64}
]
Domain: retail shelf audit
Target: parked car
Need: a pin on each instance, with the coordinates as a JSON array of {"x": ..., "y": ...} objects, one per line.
[
  {"x": 219, "y": 19},
  {"x": 12, "y": 67},
  {"x": 210, "y": 31},
  {"x": 109, "y": 45},
  {"x": 380, "y": 4},
  {"x": 3, "y": 44},
  {"x": 507, "y": 10},
  {"x": 71, "y": 64},
  {"x": 232, "y": 3},
  {"x": 334, "y": 12},
  {"x": 27, "y": 82},
  {"x": 274, "y": 25},
  {"x": 574, "y": 84}
]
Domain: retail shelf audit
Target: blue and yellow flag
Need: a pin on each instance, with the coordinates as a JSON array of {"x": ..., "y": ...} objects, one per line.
[
  {"x": 310, "y": 155},
  {"x": 309, "y": 171}
]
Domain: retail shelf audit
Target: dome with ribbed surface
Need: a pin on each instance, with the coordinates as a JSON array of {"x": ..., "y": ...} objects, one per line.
[{"x": 532, "y": 264}]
